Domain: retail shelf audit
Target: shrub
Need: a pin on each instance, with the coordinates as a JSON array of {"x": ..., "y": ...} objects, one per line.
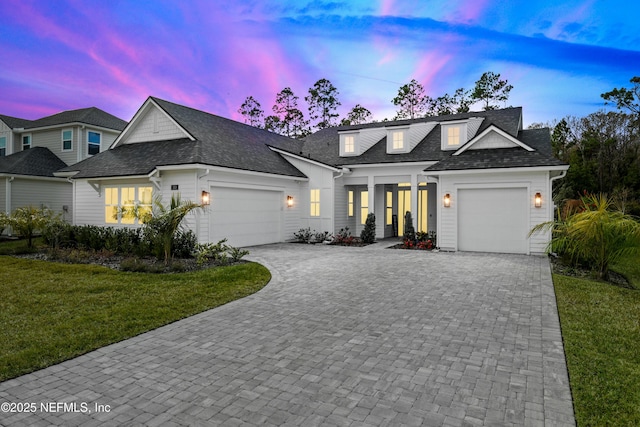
[
  {"x": 304, "y": 235},
  {"x": 595, "y": 237},
  {"x": 345, "y": 238},
  {"x": 184, "y": 244},
  {"x": 236, "y": 254},
  {"x": 27, "y": 221},
  {"x": 409, "y": 231},
  {"x": 4, "y": 221},
  {"x": 368, "y": 235},
  {"x": 323, "y": 236},
  {"x": 211, "y": 251}
]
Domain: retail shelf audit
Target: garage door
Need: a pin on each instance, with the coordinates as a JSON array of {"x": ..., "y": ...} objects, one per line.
[
  {"x": 493, "y": 220},
  {"x": 245, "y": 217}
]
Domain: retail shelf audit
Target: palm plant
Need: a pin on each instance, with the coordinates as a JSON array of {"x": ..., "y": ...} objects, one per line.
[{"x": 597, "y": 237}]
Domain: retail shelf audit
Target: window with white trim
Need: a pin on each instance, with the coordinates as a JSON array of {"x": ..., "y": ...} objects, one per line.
[
  {"x": 364, "y": 206},
  {"x": 350, "y": 204},
  {"x": 3, "y": 146},
  {"x": 453, "y": 136},
  {"x": 93, "y": 142},
  {"x": 26, "y": 142},
  {"x": 127, "y": 204},
  {"x": 349, "y": 144},
  {"x": 398, "y": 140},
  {"x": 389, "y": 207},
  {"x": 315, "y": 202},
  {"x": 67, "y": 139}
]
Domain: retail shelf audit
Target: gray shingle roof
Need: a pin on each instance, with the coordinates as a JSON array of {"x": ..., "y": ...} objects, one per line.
[
  {"x": 218, "y": 142},
  {"x": 538, "y": 139},
  {"x": 91, "y": 116},
  {"x": 37, "y": 161},
  {"x": 324, "y": 145},
  {"x": 15, "y": 122}
]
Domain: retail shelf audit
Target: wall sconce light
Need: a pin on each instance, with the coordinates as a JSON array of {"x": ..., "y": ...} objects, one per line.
[
  {"x": 538, "y": 200},
  {"x": 447, "y": 200},
  {"x": 206, "y": 198},
  {"x": 289, "y": 201}
]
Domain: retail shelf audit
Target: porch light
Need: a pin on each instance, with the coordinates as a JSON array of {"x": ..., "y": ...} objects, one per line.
[
  {"x": 447, "y": 200},
  {"x": 206, "y": 198},
  {"x": 289, "y": 201},
  {"x": 538, "y": 200}
]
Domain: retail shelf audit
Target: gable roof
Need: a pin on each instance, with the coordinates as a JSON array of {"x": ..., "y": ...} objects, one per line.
[
  {"x": 14, "y": 122},
  {"x": 90, "y": 116},
  {"x": 538, "y": 139},
  {"x": 37, "y": 161},
  {"x": 216, "y": 142},
  {"x": 324, "y": 145}
]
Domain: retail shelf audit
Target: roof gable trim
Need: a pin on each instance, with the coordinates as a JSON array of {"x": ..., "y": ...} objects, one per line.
[{"x": 487, "y": 131}]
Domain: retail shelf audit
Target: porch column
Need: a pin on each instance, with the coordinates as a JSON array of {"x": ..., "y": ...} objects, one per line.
[
  {"x": 414, "y": 200},
  {"x": 371, "y": 188}
]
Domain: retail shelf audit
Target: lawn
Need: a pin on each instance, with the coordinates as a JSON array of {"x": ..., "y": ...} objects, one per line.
[
  {"x": 51, "y": 312},
  {"x": 601, "y": 331}
]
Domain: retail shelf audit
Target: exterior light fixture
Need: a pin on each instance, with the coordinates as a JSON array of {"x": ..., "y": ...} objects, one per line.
[
  {"x": 289, "y": 201},
  {"x": 538, "y": 200},
  {"x": 206, "y": 198},
  {"x": 447, "y": 200}
]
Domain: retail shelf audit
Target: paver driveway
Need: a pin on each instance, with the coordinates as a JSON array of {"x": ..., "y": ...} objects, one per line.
[{"x": 341, "y": 336}]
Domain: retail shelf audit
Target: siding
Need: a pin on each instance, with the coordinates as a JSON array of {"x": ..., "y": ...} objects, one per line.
[
  {"x": 154, "y": 125},
  {"x": 492, "y": 140},
  {"x": 40, "y": 193},
  {"x": 3, "y": 194}
]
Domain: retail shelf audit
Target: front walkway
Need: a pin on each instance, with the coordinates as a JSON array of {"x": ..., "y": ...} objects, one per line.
[{"x": 341, "y": 336}]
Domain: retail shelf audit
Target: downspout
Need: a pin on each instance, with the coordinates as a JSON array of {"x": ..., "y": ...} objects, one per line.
[{"x": 562, "y": 175}]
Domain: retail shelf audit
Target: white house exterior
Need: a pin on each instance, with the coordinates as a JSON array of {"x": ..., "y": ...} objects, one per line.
[{"x": 495, "y": 176}]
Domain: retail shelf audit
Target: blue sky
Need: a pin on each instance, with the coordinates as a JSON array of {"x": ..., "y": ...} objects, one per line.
[{"x": 211, "y": 55}]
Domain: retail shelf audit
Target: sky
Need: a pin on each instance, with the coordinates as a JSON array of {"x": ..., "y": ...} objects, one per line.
[{"x": 211, "y": 55}]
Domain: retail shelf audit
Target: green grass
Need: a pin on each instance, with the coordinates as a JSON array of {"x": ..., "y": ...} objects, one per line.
[
  {"x": 51, "y": 312},
  {"x": 601, "y": 332}
]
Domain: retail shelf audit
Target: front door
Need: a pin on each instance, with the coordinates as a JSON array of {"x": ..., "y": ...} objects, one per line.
[{"x": 404, "y": 205}]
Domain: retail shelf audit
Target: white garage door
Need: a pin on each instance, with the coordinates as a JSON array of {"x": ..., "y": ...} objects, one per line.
[
  {"x": 493, "y": 220},
  {"x": 245, "y": 217}
]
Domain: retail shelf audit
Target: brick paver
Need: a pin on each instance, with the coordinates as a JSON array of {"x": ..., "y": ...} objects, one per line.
[{"x": 341, "y": 336}]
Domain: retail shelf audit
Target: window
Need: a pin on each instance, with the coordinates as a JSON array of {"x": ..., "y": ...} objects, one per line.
[
  {"x": 453, "y": 135},
  {"x": 349, "y": 144},
  {"x": 350, "y": 204},
  {"x": 3, "y": 146},
  {"x": 67, "y": 138},
  {"x": 118, "y": 198},
  {"x": 93, "y": 140},
  {"x": 389, "y": 207},
  {"x": 315, "y": 202},
  {"x": 26, "y": 142},
  {"x": 364, "y": 206},
  {"x": 398, "y": 140}
]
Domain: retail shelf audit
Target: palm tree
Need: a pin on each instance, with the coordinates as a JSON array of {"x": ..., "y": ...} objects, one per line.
[{"x": 598, "y": 236}]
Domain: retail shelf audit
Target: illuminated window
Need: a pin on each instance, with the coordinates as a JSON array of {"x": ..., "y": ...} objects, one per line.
[
  {"x": 26, "y": 142},
  {"x": 119, "y": 199},
  {"x": 3, "y": 146},
  {"x": 364, "y": 206},
  {"x": 398, "y": 140},
  {"x": 67, "y": 140},
  {"x": 349, "y": 144},
  {"x": 315, "y": 202},
  {"x": 389, "y": 207},
  {"x": 93, "y": 142},
  {"x": 453, "y": 135},
  {"x": 350, "y": 204}
]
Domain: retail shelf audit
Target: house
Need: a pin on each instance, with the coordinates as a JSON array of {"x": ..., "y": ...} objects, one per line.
[
  {"x": 32, "y": 150},
  {"x": 478, "y": 179}
]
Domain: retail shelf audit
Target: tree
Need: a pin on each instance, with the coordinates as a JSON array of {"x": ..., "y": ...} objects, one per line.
[
  {"x": 252, "y": 112},
  {"x": 291, "y": 121},
  {"x": 595, "y": 237},
  {"x": 412, "y": 101},
  {"x": 28, "y": 220},
  {"x": 357, "y": 116},
  {"x": 625, "y": 98},
  {"x": 459, "y": 102},
  {"x": 409, "y": 230},
  {"x": 273, "y": 124},
  {"x": 323, "y": 103},
  {"x": 491, "y": 91}
]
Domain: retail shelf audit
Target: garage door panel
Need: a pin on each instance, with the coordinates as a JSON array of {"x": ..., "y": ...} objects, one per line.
[
  {"x": 493, "y": 220},
  {"x": 245, "y": 217}
]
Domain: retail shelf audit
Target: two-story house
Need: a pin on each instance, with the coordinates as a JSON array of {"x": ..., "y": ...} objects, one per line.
[
  {"x": 32, "y": 150},
  {"x": 478, "y": 179}
]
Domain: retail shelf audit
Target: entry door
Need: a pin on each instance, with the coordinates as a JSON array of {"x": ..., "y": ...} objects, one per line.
[{"x": 404, "y": 205}]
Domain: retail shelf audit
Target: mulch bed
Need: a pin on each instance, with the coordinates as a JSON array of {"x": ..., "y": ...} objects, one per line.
[{"x": 563, "y": 269}]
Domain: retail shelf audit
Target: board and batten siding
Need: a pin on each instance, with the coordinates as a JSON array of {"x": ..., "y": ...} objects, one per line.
[
  {"x": 154, "y": 125},
  {"x": 534, "y": 182}
]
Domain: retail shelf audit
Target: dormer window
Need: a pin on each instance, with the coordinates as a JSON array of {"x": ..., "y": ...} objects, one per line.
[
  {"x": 453, "y": 136},
  {"x": 398, "y": 140},
  {"x": 349, "y": 144}
]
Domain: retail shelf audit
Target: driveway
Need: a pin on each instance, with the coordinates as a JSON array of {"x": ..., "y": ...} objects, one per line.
[{"x": 341, "y": 336}]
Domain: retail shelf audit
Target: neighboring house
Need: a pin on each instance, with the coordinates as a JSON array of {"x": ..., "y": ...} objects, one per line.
[
  {"x": 477, "y": 179},
  {"x": 32, "y": 150}
]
